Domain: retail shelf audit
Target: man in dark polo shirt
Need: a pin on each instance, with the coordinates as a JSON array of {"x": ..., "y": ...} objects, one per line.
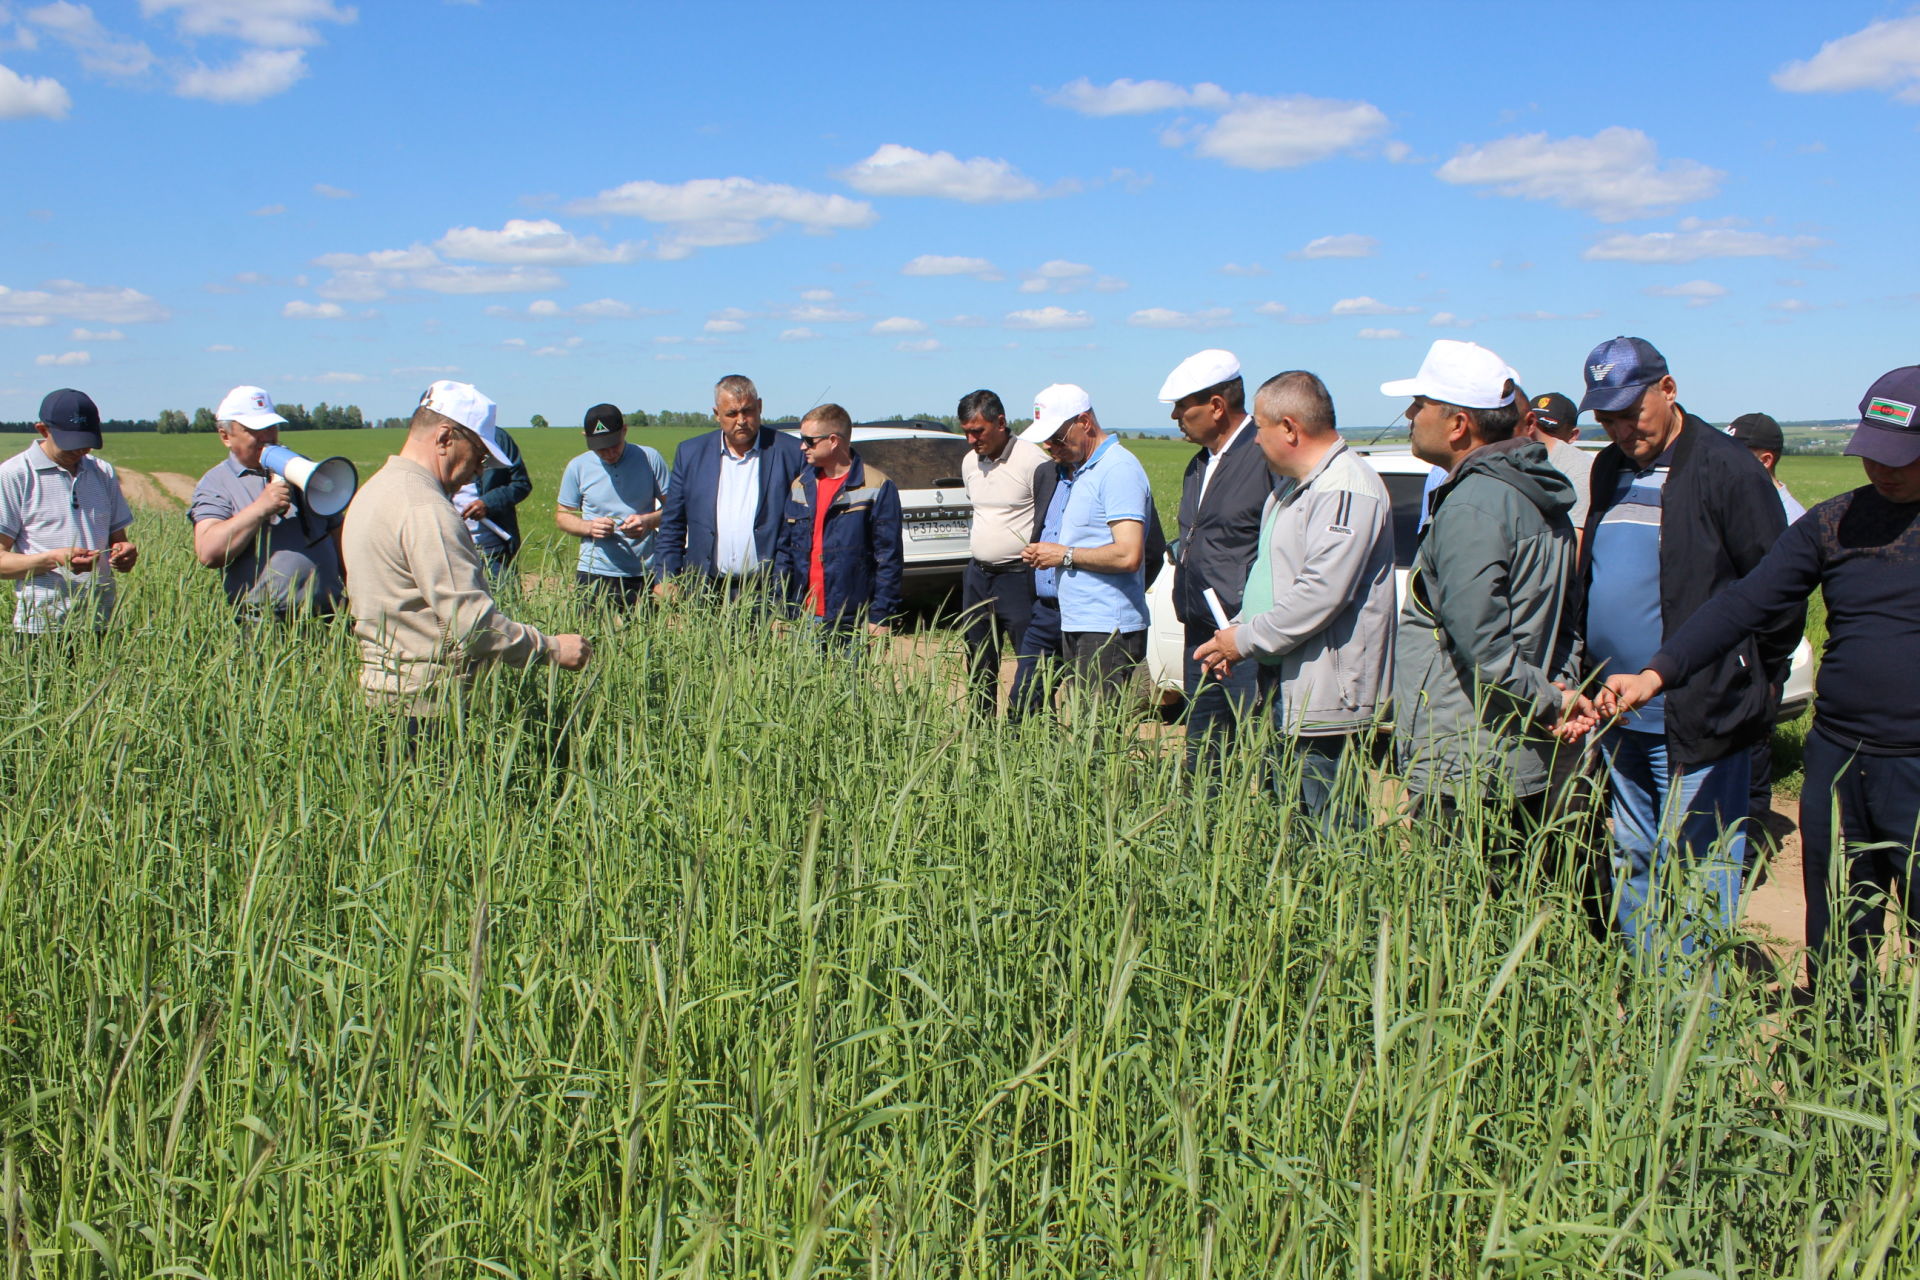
[
  {"x": 1861, "y": 550},
  {"x": 275, "y": 554}
]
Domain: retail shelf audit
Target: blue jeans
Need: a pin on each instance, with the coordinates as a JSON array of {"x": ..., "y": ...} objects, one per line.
[{"x": 1679, "y": 844}]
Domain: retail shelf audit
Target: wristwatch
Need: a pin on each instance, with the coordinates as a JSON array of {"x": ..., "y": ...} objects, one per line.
[{"x": 1066, "y": 561}]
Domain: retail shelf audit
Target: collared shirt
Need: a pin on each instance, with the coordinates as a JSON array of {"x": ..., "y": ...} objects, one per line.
[
  {"x": 1213, "y": 458},
  {"x": 736, "y": 505},
  {"x": 1787, "y": 503},
  {"x": 1001, "y": 491},
  {"x": 421, "y": 608},
  {"x": 301, "y": 564},
  {"x": 1046, "y": 582},
  {"x": 1624, "y": 621},
  {"x": 633, "y": 486},
  {"x": 43, "y": 507},
  {"x": 1109, "y": 486}
]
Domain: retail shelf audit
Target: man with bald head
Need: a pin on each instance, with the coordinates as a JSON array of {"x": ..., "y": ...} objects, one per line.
[
  {"x": 727, "y": 496},
  {"x": 1316, "y": 620},
  {"x": 420, "y": 600}
]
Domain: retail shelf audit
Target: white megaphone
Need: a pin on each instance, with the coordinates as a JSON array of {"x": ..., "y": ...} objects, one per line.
[{"x": 327, "y": 486}]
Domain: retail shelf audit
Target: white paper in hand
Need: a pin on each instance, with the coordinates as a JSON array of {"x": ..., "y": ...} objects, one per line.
[{"x": 1212, "y": 598}]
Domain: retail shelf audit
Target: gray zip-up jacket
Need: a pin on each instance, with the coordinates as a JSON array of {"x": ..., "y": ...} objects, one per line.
[
  {"x": 1486, "y": 628},
  {"x": 1327, "y": 548}
]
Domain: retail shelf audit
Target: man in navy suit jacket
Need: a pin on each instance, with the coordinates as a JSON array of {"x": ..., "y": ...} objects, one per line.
[{"x": 727, "y": 493}]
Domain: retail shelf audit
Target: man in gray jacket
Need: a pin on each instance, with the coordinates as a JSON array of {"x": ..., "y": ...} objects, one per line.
[
  {"x": 1317, "y": 615},
  {"x": 1486, "y": 650}
]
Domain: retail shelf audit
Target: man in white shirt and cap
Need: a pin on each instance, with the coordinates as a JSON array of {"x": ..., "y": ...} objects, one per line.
[{"x": 1222, "y": 493}]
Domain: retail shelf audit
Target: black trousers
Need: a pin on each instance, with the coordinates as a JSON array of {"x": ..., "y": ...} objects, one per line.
[
  {"x": 1105, "y": 661},
  {"x": 607, "y": 591},
  {"x": 1874, "y": 801},
  {"x": 997, "y": 607},
  {"x": 1215, "y": 707}
]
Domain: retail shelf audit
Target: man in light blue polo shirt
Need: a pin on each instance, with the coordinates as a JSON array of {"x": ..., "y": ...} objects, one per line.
[
  {"x": 1100, "y": 558},
  {"x": 610, "y": 499}
]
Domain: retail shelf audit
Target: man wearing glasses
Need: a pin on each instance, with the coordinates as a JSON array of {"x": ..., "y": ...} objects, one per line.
[
  {"x": 840, "y": 558},
  {"x": 421, "y": 606},
  {"x": 1095, "y": 565}
]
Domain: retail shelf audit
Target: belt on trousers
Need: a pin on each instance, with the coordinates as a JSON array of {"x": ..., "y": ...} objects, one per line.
[{"x": 1001, "y": 566}]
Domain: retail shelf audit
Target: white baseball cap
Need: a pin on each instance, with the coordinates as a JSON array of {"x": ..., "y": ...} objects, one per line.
[
  {"x": 1197, "y": 372},
  {"x": 463, "y": 402},
  {"x": 1462, "y": 373},
  {"x": 1052, "y": 408},
  {"x": 251, "y": 407}
]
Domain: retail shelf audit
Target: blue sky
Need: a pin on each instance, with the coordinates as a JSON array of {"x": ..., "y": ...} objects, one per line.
[{"x": 890, "y": 205}]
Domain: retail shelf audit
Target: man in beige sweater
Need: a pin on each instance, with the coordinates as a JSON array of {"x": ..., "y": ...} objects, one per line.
[{"x": 415, "y": 582}]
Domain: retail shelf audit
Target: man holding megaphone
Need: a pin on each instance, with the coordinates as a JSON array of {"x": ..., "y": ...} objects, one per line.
[{"x": 277, "y": 546}]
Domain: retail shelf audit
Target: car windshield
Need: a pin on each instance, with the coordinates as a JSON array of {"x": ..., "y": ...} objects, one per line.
[
  {"x": 1405, "y": 491},
  {"x": 917, "y": 462}
]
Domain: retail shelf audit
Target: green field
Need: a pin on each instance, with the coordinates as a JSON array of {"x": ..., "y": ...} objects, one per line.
[{"x": 725, "y": 958}]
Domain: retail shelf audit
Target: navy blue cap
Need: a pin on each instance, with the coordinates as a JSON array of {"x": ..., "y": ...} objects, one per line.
[
  {"x": 1889, "y": 430},
  {"x": 1618, "y": 373},
  {"x": 72, "y": 418}
]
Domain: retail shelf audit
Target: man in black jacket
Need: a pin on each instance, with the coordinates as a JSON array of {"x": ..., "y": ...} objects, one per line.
[
  {"x": 1680, "y": 511},
  {"x": 1222, "y": 494}
]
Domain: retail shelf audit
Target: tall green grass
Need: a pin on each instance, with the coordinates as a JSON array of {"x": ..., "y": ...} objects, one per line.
[{"x": 729, "y": 958}]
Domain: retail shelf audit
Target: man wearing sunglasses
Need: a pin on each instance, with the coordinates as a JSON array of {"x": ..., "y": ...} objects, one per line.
[
  {"x": 1096, "y": 567},
  {"x": 840, "y": 559},
  {"x": 421, "y": 605}
]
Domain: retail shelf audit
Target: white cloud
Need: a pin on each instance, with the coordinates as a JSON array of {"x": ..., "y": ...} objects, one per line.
[
  {"x": 1248, "y": 270},
  {"x": 270, "y": 23},
  {"x": 712, "y": 212},
  {"x": 817, "y": 295},
  {"x": 541, "y": 243},
  {"x": 97, "y": 335},
  {"x": 1272, "y": 309},
  {"x": 426, "y": 371},
  {"x": 1379, "y": 335},
  {"x": 221, "y": 348},
  {"x": 298, "y": 310},
  {"x": 894, "y": 170},
  {"x": 65, "y": 359},
  {"x": 1251, "y": 131},
  {"x": 607, "y": 309},
  {"x": 1048, "y": 318},
  {"x": 362, "y": 277},
  {"x": 798, "y": 335},
  {"x": 255, "y": 74},
  {"x": 918, "y": 344},
  {"x": 1365, "y": 306},
  {"x": 599, "y": 309},
  {"x": 1350, "y": 245},
  {"x": 933, "y": 264},
  {"x": 664, "y": 356},
  {"x": 724, "y": 326},
  {"x": 99, "y": 50},
  {"x": 1126, "y": 97},
  {"x": 1881, "y": 55},
  {"x": 1447, "y": 320},
  {"x": 1696, "y": 240},
  {"x": 966, "y": 322},
  {"x": 25, "y": 96},
  {"x": 1285, "y": 133},
  {"x": 815, "y": 314},
  {"x": 1614, "y": 175},
  {"x": 1794, "y": 305},
  {"x": 1697, "y": 293},
  {"x": 1279, "y": 311},
  {"x": 1060, "y": 276},
  {"x": 1163, "y": 318},
  {"x": 71, "y": 300},
  {"x": 343, "y": 379},
  {"x": 551, "y": 351},
  {"x": 269, "y": 210},
  {"x": 329, "y": 192},
  {"x": 900, "y": 324}
]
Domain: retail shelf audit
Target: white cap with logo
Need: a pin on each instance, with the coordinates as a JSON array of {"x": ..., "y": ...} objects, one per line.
[
  {"x": 462, "y": 402},
  {"x": 1462, "y": 373},
  {"x": 1197, "y": 372},
  {"x": 1052, "y": 408},
  {"x": 251, "y": 407}
]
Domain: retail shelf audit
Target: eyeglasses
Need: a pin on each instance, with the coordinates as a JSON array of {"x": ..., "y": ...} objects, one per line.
[{"x": 807, "y": 441}]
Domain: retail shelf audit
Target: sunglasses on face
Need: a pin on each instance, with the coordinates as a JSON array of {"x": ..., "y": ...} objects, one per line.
[{"x": 807, "y": 441}]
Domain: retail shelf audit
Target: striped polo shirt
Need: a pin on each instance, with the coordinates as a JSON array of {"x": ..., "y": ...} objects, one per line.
[{"x": 1624, "y": 626}]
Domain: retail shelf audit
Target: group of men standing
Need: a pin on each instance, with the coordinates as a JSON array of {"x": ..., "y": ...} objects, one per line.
[{"x": 1647, "y": 585}]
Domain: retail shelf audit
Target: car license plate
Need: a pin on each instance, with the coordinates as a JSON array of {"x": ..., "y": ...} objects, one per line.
[{"x": 929, "y": 530}]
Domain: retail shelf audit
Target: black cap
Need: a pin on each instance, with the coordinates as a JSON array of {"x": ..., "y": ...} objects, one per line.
[
  {"x": 1555, "y": 413},
  {"x": 1757, "y": 431},
  {"x": 603, "y": 423},
  {"x": 72, "y": 419}
]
